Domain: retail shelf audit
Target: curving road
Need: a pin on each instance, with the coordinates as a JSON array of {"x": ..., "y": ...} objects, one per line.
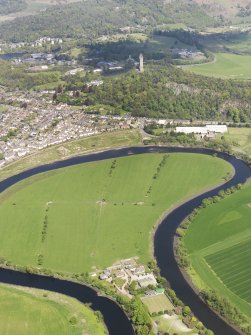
[{"x": 115, "y": 319}]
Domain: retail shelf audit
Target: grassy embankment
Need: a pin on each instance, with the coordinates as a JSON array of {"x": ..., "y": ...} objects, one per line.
[
  {"x": 219, "y": 245},
  {"x": 72, "y": 148},
  {"x": 25, "y": 311},
  {"x": 91, "y": 215}
]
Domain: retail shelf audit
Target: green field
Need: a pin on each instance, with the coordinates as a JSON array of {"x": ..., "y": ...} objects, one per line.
[
  {"x": 219, "y": 244},
  {"x": 91, "y": 215},
  {"x": 25, "y": 311},
  {"x": 240, "y": 139},
  {"x": 226, "y": 65},
  {"x": 157, "y": 303}
]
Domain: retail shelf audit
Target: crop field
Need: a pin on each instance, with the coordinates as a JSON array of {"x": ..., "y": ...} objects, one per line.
[
  {"x": 157, "y": 303},
  {"x": 219, "y": 245},
  {"x": 25, "y": 311},
  {"x": 86, "y": 216},
  {"x": 226, "y": 66},
  {"x": 230, "y": 265}
]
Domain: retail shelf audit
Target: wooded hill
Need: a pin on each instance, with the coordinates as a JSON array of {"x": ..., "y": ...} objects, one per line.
[
  {"x": 93, "y": 18},
  {"x": 11, "y": 6}
]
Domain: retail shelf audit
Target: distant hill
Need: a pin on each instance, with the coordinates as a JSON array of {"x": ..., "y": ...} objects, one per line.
[
  {"x": 11, "y": 6},
  {"x": 230, "y": 9},
  {"x": 93, "y": 18}
]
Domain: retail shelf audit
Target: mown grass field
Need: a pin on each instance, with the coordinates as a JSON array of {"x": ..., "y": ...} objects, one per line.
[
  {"x": 219, "y": 244},
  {"x": 227, "y": 65},
  {"x": 157, "y": 303},
  {"x": 26, "y": 311},
  {"x": 97, "y": 213}
]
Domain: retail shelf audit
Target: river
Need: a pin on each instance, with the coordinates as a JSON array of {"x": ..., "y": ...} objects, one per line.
[{"x": 115, "y": 319}]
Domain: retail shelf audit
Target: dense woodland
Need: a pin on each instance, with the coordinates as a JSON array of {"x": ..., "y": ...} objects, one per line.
[
  {"x": 11, "y": 6},
  {"x": 165, "y": 91},
  {"x": 100, "y": 17}
]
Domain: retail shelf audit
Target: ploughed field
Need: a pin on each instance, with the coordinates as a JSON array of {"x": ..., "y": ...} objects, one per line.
[
  {"x": 90, "y": 215},
  {"x": 26, "y": 311},
  {"x": 219, "y": 245}
]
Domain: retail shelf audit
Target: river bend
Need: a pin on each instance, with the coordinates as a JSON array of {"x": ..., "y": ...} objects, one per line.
[{"x": 115, "y": 319}]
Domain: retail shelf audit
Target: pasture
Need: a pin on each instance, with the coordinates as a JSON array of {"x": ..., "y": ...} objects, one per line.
[
  {"x": 240, "y": 139},
  {"x": 157, "y": 303},
  {"x": 25, "y": 311},
  {"x": 226, "y": 66},
  {"x": 88, "y": 216},
  {"x": 219, "y": 245}
]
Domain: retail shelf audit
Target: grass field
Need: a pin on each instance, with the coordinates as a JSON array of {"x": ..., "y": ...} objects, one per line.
[
  {"x": 94, "y": 214},
  {"x": 105, "y": 141},
  {"x": 25, "y": 311},
  {"x": 219, "y": 244},
  {"x": 172, "y": 325},
  {"x": 240, "y": 139},
  {"x": 157, "y": 303},
  {"x": 227, "y": 66}
]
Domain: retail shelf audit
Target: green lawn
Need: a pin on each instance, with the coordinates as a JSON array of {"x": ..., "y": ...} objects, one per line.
[
  {"x": 26, "y": 311},
  {"x": 219, "y": 244},
  {"x": 93, "y": 217},
  {"x": 227, "y": 65},
  {"x": 157, "y": 303}
]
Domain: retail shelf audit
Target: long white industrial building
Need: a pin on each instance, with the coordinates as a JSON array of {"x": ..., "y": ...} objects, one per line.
[{"x": 218, "y": 129}]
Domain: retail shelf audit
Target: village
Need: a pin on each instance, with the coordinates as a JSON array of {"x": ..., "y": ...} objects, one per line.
[
  {"x": 31, "y": 122},
  {"x": 131, "y": 278}
]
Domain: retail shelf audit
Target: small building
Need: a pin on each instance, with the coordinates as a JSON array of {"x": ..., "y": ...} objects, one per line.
[
  {"x": 147, "y": 280},
  {"x": 119, "y": 274},
  {"x": 139, "y": 270}
]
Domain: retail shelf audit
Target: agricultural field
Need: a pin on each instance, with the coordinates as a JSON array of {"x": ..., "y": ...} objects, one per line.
[
  {"x": 226, "y": 65},
  {"x": 88, "y": 216},
  {"x": 219, "y": 246},
  {"x": 157, "y": 303},
  {"x": 26, "y": 311},
  {"x": 240, "y": 139}
]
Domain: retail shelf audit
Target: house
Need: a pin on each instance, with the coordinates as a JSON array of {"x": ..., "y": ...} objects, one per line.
[{"x": 147, "y": 280}]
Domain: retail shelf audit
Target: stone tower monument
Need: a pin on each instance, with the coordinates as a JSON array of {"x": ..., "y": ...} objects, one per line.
[{"x": 141, "y": 63}]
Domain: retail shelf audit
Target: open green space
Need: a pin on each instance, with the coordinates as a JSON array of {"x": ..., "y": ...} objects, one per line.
[
  {"x": 26, "y": 311},
  {"x": 240, "y": 139},
  {"x": 172, "y": 325},
  {"x": 219, "y": 246},
  {"x": 226, "y": 65},
  {"x": 157, "y": 303},
  {"x": 90, "y": 215}
]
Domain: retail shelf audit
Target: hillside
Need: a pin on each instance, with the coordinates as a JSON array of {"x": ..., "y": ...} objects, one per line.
[
  {"x": 94, "y": 18},
  {"x": 11, "y": 6},
  {"x": 228, "y": 9}
]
